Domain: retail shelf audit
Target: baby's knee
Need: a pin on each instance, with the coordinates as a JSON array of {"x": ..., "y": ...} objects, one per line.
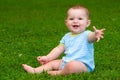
[
  {"x": 70, "y": 65},
  {"x": 75, "y": 66}
]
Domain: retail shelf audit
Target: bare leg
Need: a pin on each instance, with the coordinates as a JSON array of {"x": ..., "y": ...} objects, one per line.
[
  {"x": 59, "y": 72},
  {"x": 28, "y": 69},
  {"x": 55, "y": 64},
  {"x": 71, "y": 67}
]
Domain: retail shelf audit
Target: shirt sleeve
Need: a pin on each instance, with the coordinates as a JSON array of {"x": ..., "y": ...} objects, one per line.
[{"x": 62, "y": 41}]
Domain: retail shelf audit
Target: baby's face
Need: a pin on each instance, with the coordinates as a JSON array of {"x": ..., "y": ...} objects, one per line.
[{"x": 77, "y": 20}]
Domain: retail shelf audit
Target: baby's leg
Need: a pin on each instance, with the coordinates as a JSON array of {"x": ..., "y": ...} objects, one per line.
[
  {"x": 71, "y": 67},
  {"x": 55, "y": 64},
  {"x": 28, "y": 69}
]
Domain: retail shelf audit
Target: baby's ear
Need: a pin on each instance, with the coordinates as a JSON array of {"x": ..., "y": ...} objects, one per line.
[
  {"x": 88, "y": 22},
  {"x": 66, "y": 22}
]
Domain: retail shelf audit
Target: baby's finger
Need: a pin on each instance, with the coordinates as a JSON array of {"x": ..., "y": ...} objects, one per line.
[
  {"x": 102, "y": 29},
  {"x": 94, "y": 28},
  {"x": 98, "y": 39},
  {"x": 43, "y": 62},
  {"x": 101, "y": 37}
]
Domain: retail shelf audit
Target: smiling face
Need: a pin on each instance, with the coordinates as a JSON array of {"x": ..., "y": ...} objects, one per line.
[{"x": 77, "y": 20}]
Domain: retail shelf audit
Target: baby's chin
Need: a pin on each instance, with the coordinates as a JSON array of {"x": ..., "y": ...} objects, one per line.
[
  {"x": 74, "y": 33},
  {"x": 77, "y": 31}
]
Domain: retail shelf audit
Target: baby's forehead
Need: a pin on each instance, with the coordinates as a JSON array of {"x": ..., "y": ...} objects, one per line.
[{"x": 78, "y": 9}]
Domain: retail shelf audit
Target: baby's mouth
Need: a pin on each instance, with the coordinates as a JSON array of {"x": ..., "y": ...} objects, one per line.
[{"x": 75, "y": 26}]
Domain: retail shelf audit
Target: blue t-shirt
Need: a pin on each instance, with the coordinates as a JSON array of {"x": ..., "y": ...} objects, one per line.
[{"x": 77, "y": 47}]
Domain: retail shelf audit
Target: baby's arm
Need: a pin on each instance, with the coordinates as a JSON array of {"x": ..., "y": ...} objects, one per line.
[
  {"x": 52, "y": 55},
  {"x": 96, "y": 35},
  {"x": 56, "y": 52}
]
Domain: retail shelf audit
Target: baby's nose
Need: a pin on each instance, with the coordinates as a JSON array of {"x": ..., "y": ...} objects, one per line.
[{"x": 75, "y": 21}]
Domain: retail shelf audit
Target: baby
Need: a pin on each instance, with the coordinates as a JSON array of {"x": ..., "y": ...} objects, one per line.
[{"x": 76, "y": 44}]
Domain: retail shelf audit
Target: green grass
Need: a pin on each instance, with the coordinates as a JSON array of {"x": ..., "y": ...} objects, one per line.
[{"x": 29, "y": 28}]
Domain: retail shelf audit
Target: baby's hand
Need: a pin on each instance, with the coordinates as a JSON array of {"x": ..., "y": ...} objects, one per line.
[
  {"x": 42, "y": 59},
  {"x": 98, "y": 33}
]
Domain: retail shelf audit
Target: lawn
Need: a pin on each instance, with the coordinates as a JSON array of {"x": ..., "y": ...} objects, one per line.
[{"x": 29, "y": 28}]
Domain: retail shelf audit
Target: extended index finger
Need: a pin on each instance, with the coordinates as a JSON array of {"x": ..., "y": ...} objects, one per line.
[{"x": 103, "y": 29}]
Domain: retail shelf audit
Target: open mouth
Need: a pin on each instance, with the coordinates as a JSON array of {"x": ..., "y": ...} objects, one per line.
[{"x": 75, "y": 26}]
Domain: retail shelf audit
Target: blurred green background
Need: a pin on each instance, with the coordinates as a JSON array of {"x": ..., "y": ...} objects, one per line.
[{"x": 29, "y": 28}]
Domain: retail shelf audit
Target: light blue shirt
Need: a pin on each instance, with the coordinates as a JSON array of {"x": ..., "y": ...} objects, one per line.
[{"x": 77, "y": 47}]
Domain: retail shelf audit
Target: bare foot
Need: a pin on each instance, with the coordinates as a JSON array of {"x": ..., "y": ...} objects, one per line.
[{"x": 28, "y": 69}]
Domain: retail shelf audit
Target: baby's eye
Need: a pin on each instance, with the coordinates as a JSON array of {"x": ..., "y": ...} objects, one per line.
[
  {"x": 80, "y": 18},
  {"x": 71, "y": 18}
]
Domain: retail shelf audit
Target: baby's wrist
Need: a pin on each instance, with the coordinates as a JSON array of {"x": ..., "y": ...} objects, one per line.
[{"x": 47, "y": 58}]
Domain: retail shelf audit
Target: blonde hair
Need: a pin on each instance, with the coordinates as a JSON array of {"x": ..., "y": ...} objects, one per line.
[{"x": 80, "y": 7}]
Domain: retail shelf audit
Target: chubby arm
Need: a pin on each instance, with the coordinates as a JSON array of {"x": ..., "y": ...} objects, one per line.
[
  {"x": 96, "y": 35},
  {"x": 56, "y": 52},
  {"x": 52, "y": 55}
]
